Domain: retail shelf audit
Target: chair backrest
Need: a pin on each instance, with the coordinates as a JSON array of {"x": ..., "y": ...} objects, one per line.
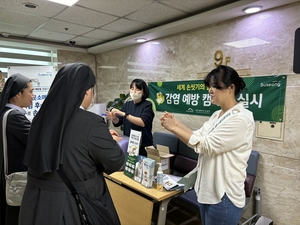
[
  {"x": 185, "y": 160},
  {"x": 166, "y": 139},
  {"x": 123, "y": 144},
  {"x": 253, "y": 163},
  {"x": 186, "y": 151},
  {"x": 251, "y": 175},
  {"x": 183, "y": 165}
]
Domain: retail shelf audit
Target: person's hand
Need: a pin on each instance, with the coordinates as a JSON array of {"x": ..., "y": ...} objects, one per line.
[
  {"x": 109, "y": 115},
  {"x": 168, "y": 121},
  {"x": 113, "y": 132},
  {"x": 116, "y": 112},
  {"x": 112, "y": 114},
  {"x": 115, "y": 135},
  {"x": 117, "y": 138}
]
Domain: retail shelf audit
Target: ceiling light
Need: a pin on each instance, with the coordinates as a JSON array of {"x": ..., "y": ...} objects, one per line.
[
  {"x": 30, "y": 5},
  {"x": 26, "y": 52},
  {"x": 65, "y": 2},
  {"x": 252, "y": 9},
  {"x": 140, "y": 39},
  {"x": 155, "y": 43},
  {"x": 247, "y": 43}
]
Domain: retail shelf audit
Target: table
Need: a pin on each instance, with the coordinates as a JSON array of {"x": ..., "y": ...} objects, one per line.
[{"x": 134, "y": 202}]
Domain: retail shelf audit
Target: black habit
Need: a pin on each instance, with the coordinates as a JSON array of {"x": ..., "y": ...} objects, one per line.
[{"x": 62, "y": 133}]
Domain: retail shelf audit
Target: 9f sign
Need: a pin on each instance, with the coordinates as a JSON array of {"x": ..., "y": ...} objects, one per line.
[{"x": 219, "y": 58}]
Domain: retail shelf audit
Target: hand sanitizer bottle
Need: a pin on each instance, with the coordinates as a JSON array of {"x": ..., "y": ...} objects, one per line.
[{"x": 159, "y": 178}]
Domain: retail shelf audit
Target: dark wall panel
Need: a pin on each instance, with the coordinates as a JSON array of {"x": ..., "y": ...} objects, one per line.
[{"x": 296, "y": 65}]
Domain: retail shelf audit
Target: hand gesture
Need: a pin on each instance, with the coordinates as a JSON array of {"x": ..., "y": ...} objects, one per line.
[{"x": 168, "y": 121}]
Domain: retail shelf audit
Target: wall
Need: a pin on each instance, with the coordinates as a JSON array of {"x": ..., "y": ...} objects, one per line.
[
  {"x": 65, "y": 57},
  {"x": 190, "y": 55}
]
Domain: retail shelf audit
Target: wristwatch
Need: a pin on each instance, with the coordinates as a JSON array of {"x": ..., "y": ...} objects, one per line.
[{"x": 126, "y": 114}]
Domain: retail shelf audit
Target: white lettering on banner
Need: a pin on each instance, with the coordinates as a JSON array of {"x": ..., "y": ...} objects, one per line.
[
  {"x": 259, "y": 102},
  {"x": 173, "y": 98},
  {"x": 254, "y": 100},
  {"x": 206, "y": 99},
  {"x": 191, "y": 99},
  {"x": 190, "y": 87},
  {"x": 245, "y": 100},
  {"x": 270, "y": 85},
  {"x": 203, "y": 111}
]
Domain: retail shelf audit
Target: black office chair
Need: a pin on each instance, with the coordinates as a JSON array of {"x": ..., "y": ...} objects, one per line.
[{"x": 249, "y": 185}]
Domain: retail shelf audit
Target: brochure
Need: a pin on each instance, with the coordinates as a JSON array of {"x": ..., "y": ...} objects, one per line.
[
  {"x": 132, "y": 153},
  {"x": 170, "y": 182}
]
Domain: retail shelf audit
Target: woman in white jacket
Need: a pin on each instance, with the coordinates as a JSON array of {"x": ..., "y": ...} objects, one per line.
[{"x": 224, "y": 144}]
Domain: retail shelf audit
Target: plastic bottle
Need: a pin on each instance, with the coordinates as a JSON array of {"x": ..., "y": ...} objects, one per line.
[
  {"x": 104, "y": 117},
  {"x": 159, "y": 178}
]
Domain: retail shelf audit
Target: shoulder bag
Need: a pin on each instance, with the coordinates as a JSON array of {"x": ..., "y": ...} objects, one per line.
[
  {"x": 15, "y": 182},
  {"x": 93, "y": 211}
]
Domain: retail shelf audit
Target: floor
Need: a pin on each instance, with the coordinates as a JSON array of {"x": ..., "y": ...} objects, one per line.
[{"x": 180, "y": 215}]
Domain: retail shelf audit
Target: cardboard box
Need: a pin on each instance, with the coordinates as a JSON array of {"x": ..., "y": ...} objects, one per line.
[{"x": 160, "y": 155}]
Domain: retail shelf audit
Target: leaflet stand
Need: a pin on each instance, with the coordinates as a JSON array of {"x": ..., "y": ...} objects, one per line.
[{"x": 132, "y": 153}]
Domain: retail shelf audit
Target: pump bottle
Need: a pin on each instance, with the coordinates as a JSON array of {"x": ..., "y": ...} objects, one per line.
[{"x": 159, "y": 178}]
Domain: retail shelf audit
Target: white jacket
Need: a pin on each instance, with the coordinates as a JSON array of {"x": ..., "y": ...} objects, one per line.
[{"x": 224, "y": 145}]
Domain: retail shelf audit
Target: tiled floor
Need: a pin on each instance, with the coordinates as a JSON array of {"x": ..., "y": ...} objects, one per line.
[{"x": 179, "y": 215}]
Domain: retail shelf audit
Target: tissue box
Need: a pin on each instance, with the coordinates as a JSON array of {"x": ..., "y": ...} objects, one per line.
[
  {"x": 148, "y": 172},
  {"x": 160, "y": 155}
]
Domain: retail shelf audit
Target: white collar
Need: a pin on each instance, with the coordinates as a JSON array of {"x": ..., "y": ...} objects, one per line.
[{"x": 16, "y": 107}]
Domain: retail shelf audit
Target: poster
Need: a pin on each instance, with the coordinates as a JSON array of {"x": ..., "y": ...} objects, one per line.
[
  {"x": 41, "y": 77},
  {"x": 132, "y": 153},
  {"x": 264, "y": 96}
]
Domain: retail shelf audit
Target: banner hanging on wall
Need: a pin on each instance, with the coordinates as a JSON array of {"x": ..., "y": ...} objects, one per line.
[
  {"x": 264, "y": 96},
  {"x": 41, "y": 77}
]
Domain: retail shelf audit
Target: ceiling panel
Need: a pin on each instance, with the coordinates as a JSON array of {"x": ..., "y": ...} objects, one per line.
[
  {"x": 126, "y": 26},
  {"x": 44, "y": 8},
  {"x": 85, "y": 41},
  {"x": 118, "y": 8},
  {"x": 50, "y": 35},
  {"x": 7, "y": 29},
  {"x": 103, "y": 34},
  {"x": 21, "y": 19},
  {"x": 192, "y": 6},
  {"x": 98, "y": 26},
  {"x": 156, "y": 14},
  {"x": 86, "y": 17},
  {"x": 67, "y": 28}
]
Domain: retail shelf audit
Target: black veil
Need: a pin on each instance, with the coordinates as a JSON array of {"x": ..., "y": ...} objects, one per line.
[
  {"x": 14, "y": 84},
  {"x": 44, "y": 151}
]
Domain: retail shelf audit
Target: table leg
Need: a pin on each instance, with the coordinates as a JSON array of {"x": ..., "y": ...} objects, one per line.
[{"x": 162, "y": 213}]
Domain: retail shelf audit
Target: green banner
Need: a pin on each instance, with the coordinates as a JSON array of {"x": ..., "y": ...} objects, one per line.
[{"x": 264, "y": 97}]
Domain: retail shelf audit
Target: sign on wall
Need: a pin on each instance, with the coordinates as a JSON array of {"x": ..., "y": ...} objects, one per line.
[
  {"x": 41, "y": 77},
  {"x": 264, "y": 97}
]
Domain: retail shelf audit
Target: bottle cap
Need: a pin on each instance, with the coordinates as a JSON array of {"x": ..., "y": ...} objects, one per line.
[{"x": 159, "y": 168}]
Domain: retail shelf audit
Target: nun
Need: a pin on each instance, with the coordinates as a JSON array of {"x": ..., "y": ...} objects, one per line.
[
  {"x": 17, "y": 94},
  {"x": 64, "y": 136}
]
